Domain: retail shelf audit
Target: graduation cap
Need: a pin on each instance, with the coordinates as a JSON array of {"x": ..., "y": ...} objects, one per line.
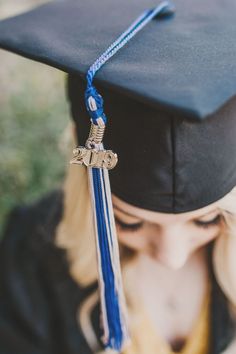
[{"x": 169, "y": 96}]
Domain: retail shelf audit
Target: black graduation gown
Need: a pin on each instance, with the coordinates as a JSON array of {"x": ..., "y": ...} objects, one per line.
[{"x": 39, "y": 299}]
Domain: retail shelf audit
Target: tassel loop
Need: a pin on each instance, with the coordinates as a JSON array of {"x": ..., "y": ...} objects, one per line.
[{"x": 94, "y": 105}]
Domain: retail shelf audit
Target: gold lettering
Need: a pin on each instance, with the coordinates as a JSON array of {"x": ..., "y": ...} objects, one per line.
[{"x": 94, "y": 158}]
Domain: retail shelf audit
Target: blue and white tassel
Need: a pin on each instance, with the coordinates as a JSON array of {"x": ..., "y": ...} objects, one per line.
[{"x": 98, "y": 162}]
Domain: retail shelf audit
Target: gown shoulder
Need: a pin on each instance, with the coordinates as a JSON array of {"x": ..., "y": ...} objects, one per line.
[
  {"x": 38, "y": 298},
  {"x": 41, "y": 215}
]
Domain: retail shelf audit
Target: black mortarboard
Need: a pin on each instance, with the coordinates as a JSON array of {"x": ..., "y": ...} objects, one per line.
[{"x": 169, "y": 94}]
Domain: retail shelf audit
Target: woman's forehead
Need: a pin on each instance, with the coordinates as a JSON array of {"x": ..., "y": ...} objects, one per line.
[{"x": 153, "y": 216}]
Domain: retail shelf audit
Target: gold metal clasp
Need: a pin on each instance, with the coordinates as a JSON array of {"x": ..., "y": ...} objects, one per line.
[{"x": 95, "y": 136}]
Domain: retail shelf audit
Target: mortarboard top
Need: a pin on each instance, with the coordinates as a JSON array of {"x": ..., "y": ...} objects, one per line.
[
  {"x": 182, "y": 68},
  {"x": 184, "y": 64}
]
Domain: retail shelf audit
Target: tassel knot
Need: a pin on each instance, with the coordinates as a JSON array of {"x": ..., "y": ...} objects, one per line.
[{"x": 94, "y": 105}]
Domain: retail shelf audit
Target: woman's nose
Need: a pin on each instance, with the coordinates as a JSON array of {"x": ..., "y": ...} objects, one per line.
[{"x": 170, "y": 248}]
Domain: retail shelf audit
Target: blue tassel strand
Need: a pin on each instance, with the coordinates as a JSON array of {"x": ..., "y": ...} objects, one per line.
[
  {"x": 111, "y": 292},
  {"x": 114, "y": 331}
]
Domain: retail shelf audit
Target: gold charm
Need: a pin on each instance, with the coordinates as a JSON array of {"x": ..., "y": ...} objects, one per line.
[
  {"x": 94, "y": 158},
  {"x": 92, "y": 155}
]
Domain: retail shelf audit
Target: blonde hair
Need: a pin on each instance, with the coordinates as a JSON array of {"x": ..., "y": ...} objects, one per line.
[
  {"x": 75, "y": 233},
  {"x": 224, "y": 254}
]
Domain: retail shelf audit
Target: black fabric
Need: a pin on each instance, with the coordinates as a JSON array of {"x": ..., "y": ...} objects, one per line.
[
  {"x": 38, "y": 298},
  {"x": 185, "y": 63},
  {"x": 167, "y": 163}
]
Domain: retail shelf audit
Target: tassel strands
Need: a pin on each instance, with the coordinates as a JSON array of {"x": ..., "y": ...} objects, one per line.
[{"x": 111, "y": 292}]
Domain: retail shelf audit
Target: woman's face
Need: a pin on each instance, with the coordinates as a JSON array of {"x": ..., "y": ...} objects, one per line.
[{"x": 168, "y": 238}]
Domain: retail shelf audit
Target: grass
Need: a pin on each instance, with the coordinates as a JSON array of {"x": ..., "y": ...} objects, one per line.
[{"x": 33, "y": 118}]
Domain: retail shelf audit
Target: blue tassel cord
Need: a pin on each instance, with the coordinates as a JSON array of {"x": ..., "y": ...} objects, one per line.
[
  {"x": 110, "y": 284},
  {"x": 113, "y": 336}
]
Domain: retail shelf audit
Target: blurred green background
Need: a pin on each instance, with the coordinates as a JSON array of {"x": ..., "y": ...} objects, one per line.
[{"x": 34, "y": 118}]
